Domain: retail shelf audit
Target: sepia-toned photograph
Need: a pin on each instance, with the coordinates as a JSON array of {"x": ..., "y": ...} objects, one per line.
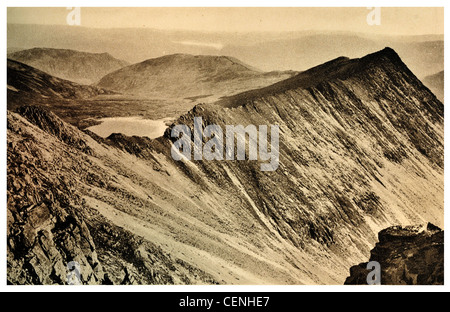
[{"x": 225, "y": 146}]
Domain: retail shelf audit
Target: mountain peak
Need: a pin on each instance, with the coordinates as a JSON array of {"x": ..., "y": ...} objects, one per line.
[
  {"x": 188, "y": 59},
  {"x": 340, "y": 68},
  {"x": 387, "y": 54}
]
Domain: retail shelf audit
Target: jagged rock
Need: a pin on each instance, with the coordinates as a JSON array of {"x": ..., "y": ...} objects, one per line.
[
  {"x": 45, "y": 232},
  {"x": 50, "y": 225},
  {"x": 51, "y": 124},
  {"x": 412, "y": 255},
  {"x": 139, "y": 146}
]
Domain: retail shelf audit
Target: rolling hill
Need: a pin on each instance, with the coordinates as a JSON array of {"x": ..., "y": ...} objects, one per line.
[
  {"x": 188, "y": 76},
  {"x": 73, "y": 102},
  {"x": 76, "y": 66}
]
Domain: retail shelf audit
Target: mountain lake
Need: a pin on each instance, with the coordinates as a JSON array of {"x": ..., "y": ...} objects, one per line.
[{"x": 130, "y": 126}]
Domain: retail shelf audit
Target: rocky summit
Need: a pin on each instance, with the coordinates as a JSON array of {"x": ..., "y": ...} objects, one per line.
[{"x": 361, "y": 150}]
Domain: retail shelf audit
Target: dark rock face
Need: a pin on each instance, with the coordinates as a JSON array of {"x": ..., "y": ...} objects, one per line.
[
  {"x": 412, "y": 255},
  {"x": 51, "y": 124},
  {"x": 50, "y": 225},
  {"x": 45, "y": 230},
  {"x": 139, "y": 146}
]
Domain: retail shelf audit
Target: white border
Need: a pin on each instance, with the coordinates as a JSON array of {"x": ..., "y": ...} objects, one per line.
[
  {"x": 228, "y": 3},
  {"x": 174, "y": 3}
]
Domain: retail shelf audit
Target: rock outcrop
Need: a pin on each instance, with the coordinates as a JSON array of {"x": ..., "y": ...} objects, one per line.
[{"x": 412, "y": 255}]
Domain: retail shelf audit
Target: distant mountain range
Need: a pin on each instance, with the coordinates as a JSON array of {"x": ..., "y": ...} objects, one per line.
[
  {"x": 422, "y": 57},
  {"x": 80, "y": 67},
  {"x": 296, "y": 51},
  {"x": 436, "y": 84}
]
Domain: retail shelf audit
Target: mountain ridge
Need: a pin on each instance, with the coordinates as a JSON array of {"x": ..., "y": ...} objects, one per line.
[
  {"x": 294, "y": 50},
  {"x": 321, "y": 73},
  {"x": 25, "y": 82},
  {"x": 340, "y": 100},
  {"x": 357, "y": 155}
]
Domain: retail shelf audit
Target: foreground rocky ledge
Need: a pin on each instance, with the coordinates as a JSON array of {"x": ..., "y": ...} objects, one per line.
[{"x": 412, "y": 255}]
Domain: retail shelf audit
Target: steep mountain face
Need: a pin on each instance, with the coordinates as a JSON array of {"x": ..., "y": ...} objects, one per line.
[
  {"x": 413, "y": 255},
  {"x": 44, "y": 230},
  {"x": 52, "y": 166},
  {"x": 27, "y": 83},
  {"x": 361, "y": 149},
  {"x": 189, "y": 76},
  {"x": 436, "y": 84},
  {"x": 76, "y": 66}
]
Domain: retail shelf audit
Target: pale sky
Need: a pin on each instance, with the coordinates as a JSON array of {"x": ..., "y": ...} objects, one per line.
[{"x": 394, "y": 21}]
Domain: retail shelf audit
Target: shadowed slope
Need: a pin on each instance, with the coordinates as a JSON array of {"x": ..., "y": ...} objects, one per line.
[{"x": 26, "y": 82}]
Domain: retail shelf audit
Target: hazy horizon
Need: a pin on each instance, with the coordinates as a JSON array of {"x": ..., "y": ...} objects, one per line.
[
  {"x": 274, "y": 32},
  {"x": 265, "y": 38},
  {"x": 394, "y": 21}
]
